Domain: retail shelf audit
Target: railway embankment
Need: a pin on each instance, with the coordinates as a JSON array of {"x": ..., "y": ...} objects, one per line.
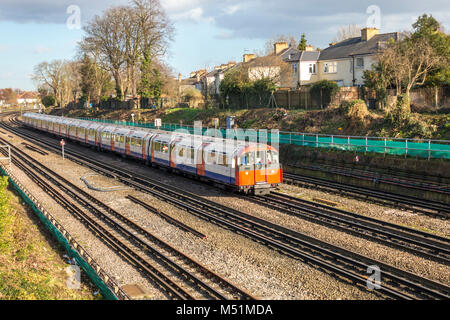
[
  {"x": 394, "y": 174},
  {"x": 32, "y": 264}
]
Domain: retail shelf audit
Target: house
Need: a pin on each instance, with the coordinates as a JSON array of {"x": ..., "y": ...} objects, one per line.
[
  {"x": 303, "y": 65},
  {"x": 211, "y": 81},
  {"x": 28, "y": 98},
  {"x": 346, "y": 61},
  {"x": 189, "y": 83}
]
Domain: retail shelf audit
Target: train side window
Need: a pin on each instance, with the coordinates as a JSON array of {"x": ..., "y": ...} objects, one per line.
[
  {"x": 247, "y": 159},
  {"x": 212, "y": 157},
  {"x": 164, "y": 148},
  {"x": 260, "y": 157},
  {"x": 139, "y": 142},
  {"x": 133, "y": 141},
  {"x": 122, "y": 139},
  {"x": 272, "y": 157},
  {"x": 223, "y": 160}
]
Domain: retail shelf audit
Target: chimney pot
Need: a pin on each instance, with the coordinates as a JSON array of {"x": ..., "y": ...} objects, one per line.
[
  {"x": 279, "y": 46},
  {"x": 368, "y": 33},
  {"x": 248, "y": 57}
]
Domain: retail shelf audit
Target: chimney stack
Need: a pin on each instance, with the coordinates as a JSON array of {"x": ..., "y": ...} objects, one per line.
[
  {"x": 368, "y": 33},
  {"x": 309, "y": 48},
  {"x": 279, "y": 46},
  {"x": 179, "y": 77},
  {"x": 248, "y": 57}
]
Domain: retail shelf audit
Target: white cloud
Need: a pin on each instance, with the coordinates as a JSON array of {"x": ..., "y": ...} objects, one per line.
[
  {"x": 41, "y": 49},
  {"x": 195, "y": 15}
]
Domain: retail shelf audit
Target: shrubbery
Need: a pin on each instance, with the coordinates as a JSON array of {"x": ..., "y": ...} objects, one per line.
[{"x": 324, "y": 91}]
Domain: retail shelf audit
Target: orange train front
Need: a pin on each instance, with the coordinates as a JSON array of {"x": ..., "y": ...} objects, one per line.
[{"x": 248, "y": 167}]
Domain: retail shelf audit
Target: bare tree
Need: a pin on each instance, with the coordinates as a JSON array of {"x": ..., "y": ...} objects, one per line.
[
  {"x": 407, "y": 63},
  {"x": 107, "y": 36},
  {"x": 124, "y": 36},
  {"x": 347, "y": 32},
  {"x": 268, "y": 47},
  {"x": 271, "y": 68},
  {"x": 52, "y": 75}
]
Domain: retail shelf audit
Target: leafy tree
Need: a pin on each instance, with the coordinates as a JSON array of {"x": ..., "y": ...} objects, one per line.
[
  {"x": 324, "y": 91},
  {"x": 428, "y": 29},
  {"x": 88, "y": 77},
  {"x": 375, "y": 79},
  {"x": 48, "y": 101},
  {"x": 303, "y": 43},
  {"x": 151, "y": 82}
]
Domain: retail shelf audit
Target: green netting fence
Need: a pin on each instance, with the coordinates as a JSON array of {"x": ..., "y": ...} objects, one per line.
[
  {"x": 420, "y": 148},
  {"x": 108, "y": 288}
]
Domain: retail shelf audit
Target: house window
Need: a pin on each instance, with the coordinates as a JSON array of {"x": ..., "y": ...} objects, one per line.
[
  {"x": 295, "y": 67},
  {"x": 330, "y": 67},
  {"x": 360, "y": 62},
  {"x": 312, "y": 68}
]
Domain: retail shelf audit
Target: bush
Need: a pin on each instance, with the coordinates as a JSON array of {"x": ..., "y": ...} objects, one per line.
[
  {"x": 400, "y": 114},
  {"x": 48, "y": 101},
  {"x": 357, "y": 111},
  {"x": 324, "y": 91}
]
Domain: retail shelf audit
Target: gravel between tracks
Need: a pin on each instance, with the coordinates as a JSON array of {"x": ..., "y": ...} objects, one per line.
[{"x": 261, "y": 271}]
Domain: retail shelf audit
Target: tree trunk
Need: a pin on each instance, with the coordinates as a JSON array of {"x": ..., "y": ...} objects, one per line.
[
  {"x": 436, "y": 96},
  {"x": 118, "y": 81}
]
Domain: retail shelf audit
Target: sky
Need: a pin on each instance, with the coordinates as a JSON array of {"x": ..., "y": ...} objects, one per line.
[{"x": 207, "y": 32}]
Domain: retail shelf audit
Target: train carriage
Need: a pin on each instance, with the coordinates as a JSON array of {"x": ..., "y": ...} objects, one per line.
[
  {"x": 82, "y": 132},
  {"x": 245, "y": 166},
  {"x": 120, "y": 139},
  {"x": 160, "y": 145},
  {"x": 72, "y": 130},
  {"x": 137, "y": 143},
  {"x": 106, "y": 137},
  {"x": 93, "y": 133}
]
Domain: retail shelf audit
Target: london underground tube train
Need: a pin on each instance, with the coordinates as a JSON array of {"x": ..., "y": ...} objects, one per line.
[{"x": 248, "y": 167}]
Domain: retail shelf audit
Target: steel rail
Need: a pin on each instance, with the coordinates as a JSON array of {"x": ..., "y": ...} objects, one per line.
[
  {"x": 175, "y": 267},
  {"x": 399, "y": 278},
  {"x": 390, "y": 234},
  {"x": 416, "y": 204}
]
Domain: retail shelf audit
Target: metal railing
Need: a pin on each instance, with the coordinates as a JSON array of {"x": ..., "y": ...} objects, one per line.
[{"x": 421, "y": 148}]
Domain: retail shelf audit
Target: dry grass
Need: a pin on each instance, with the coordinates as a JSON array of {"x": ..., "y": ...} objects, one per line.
[{"x": 31, "y": 265}]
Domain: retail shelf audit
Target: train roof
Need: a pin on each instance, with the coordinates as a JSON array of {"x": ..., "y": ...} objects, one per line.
[{"x": 211, "y": 143}]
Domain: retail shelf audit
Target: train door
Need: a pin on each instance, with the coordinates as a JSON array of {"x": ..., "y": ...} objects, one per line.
[
  {"x": 113, "y": 137},
  {"x": 260, "y": 166},
  {"x": 245, "y": 169},
  {"x": 127, "y": 144},
  {"x": 200, "y": 160},
  {"x": 173, "y": 153}
]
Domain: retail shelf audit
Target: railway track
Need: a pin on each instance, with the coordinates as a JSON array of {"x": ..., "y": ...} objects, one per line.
[
  {"x": 428, "y": 207},
  {"x": 420, "y": 243},
  {"x": 334, "y": 260},
  {"x": 116, "y": 233},
  {"x": 412, "y": 181}
]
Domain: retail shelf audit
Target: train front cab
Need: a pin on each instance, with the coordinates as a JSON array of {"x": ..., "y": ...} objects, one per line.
[{"x": 258, "y": 169}]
